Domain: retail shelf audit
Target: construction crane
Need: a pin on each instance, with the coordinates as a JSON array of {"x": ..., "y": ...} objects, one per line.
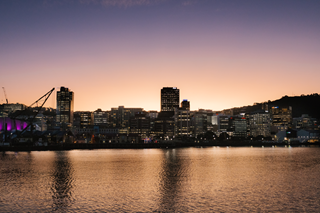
[
  {"x": 5, "y": 95},
  {"x": 30, "y": 121},
  {"x": 45, "y": 97}
]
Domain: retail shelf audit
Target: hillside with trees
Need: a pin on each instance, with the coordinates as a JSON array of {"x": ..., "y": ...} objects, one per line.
[{"x": 304, "y": 104}]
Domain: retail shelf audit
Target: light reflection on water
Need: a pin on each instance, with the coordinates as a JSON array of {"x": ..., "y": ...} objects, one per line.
[
  {"x": 161, "y": 180},
  {"x": 62, "y": 181}
]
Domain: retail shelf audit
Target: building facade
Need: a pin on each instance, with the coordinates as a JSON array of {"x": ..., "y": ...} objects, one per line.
[
  {"x": 259, "y": 124},
  {"x": 86, "y": 119},
  {"x": 140, "y": 125},
  {"x": 65, "y": 102},
  {"x": 182, "y": 117},
  {"x": 199, "y": 122},
  {"x": 100, "y": 118},
  {"x": 170, "y": 98},
  {"x": 239, "y": 126},
  {"x": 223, "y": 123},
  {"x": 305, "y": 122},
  {"x": 164, "y": 125},
  {"x": 281, "y": 117},
  {"x": 120, "y": 117}
]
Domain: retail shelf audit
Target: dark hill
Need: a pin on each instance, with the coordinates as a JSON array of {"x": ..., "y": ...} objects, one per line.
[{"x": 304, "y": 104}]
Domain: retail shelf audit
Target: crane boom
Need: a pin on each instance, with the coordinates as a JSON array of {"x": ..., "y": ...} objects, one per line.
[
  {"x": 5, "y": 95},
  {"x": 46, "y": 96}
]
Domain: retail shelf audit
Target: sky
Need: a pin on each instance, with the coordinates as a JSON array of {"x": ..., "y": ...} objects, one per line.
[{"x": 219, "y": 53}]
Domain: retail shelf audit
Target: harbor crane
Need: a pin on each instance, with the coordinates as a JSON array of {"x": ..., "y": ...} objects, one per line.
[
  {"x": 5, "y": 95},
  {"x": 45, "y": 97},
  {"x": 13, "y": 117}
]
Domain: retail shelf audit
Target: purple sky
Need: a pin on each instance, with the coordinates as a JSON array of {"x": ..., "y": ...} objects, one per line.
[{"x": 219, "y": 53}]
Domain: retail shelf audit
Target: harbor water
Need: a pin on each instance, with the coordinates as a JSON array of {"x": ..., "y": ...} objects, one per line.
[{"x": 213, "y": 179}]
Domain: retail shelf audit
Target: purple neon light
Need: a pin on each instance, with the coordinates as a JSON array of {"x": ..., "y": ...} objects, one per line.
[
  {"x": 18, "y": 123},
  {"x": 1, "y": 124},
  {"x": 10, "y": 124}
]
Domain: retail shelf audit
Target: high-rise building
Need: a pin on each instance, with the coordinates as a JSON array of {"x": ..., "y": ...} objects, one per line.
[
  {"x": 223, "y": 123},
  {"x": 65, "y": 102},
  {"x": 185, "y": 104},
  {"x": 281, "y": 117},
  {"x": 239, "y": 126},
  {"x": 170, "y": 99},
  {"x": 182, "y": 117},
  {"x": 259, "y": 123},
  {"x": 199, "y": 123}
]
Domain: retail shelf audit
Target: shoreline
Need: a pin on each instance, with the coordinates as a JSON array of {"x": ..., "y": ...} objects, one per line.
[{"x": 163, "y": 145}]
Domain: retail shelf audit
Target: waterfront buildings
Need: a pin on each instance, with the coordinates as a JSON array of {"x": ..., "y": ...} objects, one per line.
[
  {"x": 259, "y": 123},
  {"x": 308, "y": 135},
  {"x": 223, "y": 123},
  {"x": 86, "y": 119},
  {"x": 100, "y": 118},
  {"x": 304, "y": 122},
  {"x": 185, "y": 104},
  {"x": 199, "y": 123},
  {"x": 182, "y": 118},
  {"x": 123, "y": 124},
  {"x": 140, "y": 125},
  {"x": 120, "y": 117},
  {"x": 65, "y": 103},
  {"x": 153, "y": 114},
  {"x": 164, "y": 125},
  {"x": 9, "y": 108},
  {"x": 239, "y": 126},
  {"x": 281, "y": 117},
  {"x": 170, "y": 98}
]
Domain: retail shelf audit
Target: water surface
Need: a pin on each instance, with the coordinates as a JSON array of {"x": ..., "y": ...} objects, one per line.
[{"x": 162, "y": 180}]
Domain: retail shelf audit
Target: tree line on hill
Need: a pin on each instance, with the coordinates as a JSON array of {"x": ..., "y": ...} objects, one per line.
[{"x": 304, "y": 104}]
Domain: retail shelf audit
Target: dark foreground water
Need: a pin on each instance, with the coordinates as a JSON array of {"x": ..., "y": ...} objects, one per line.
[{"x": 154, "y": 180}]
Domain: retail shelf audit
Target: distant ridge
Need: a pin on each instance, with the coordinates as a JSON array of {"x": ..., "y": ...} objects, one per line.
[{"x": 304, "y": 104}]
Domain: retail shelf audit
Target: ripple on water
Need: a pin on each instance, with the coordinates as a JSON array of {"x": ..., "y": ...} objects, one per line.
[{"x": 179, "y": 180}]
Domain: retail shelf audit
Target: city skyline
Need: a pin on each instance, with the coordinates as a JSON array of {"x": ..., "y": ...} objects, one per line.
[
  {"x": 220, "y": 54},
  {"x": 54, "y": 103}
]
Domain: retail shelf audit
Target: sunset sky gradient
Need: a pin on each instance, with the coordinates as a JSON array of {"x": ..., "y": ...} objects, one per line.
[{"x": 219, "y": 53}]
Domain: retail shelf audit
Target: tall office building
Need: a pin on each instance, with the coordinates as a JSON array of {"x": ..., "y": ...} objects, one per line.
[
  {"x": 259, "y": 123},
  {"x": 185, "y": 104},
  {"x": 199, "y": 122},
  {"x": 223, "y": 123},
  {"x": 281, "y": 117},
  {"x": 65, "y": 102},
  {"x": 169, "y": 99},
  {"x": 182, "y": 118},
  {"x": 239, "y": 126}
]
